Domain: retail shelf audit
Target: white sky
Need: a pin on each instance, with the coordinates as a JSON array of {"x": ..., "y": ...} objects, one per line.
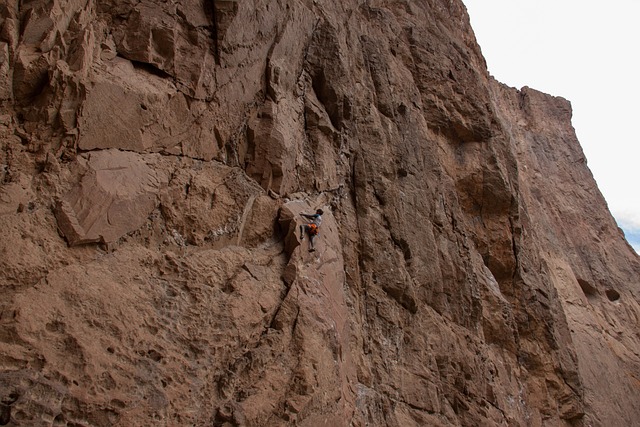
[{"x": 588, "y": 52}]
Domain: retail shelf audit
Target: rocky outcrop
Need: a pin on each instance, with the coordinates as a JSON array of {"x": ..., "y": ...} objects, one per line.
[
  {"x": 114, "y": 197},
  {"x": 156, "y": 157}
]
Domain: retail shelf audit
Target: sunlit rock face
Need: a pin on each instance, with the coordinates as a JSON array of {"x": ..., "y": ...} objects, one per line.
[{"x": 156, "y": 157}]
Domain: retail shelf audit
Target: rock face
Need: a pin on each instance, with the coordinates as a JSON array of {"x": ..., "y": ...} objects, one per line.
[
  {"x": 114, "y": 197},
  {"x": 156, "y": 157}
]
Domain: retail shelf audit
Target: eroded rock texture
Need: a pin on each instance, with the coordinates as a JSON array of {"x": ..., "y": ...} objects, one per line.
[{"x": 156, "y": 156}]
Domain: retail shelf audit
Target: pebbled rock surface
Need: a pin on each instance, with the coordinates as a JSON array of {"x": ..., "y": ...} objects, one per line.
[{"x": 156, "y": 156}]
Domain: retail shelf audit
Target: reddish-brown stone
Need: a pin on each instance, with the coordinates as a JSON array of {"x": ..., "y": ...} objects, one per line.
[{"x": 156, "y": 157}]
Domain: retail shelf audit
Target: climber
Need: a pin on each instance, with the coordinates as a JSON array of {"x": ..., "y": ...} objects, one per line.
[{"x": 311, "y": 228}]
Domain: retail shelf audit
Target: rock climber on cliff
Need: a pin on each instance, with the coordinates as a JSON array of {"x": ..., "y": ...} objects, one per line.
[{"x": 312, "y": 228}]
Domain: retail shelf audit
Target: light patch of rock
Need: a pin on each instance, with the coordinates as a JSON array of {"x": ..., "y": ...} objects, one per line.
[{"x": 115, "y": 196}]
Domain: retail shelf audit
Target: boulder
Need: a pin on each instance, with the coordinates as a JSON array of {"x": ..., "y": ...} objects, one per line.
[{"x": 114, "y": 196}]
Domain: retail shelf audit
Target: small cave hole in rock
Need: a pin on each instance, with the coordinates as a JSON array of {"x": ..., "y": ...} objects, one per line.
[
  {"x": 5, "y": 414},
  {"x": 118, "y": 403},
  {"x": 587, "y": 288},
  {"x": 59, "y": 420},
  {"x": 612, "y": 294},
  {"x": 154, "y": 355}
]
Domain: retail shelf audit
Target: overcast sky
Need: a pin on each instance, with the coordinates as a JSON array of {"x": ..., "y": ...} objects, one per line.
[{"x": 588, "y": 52}]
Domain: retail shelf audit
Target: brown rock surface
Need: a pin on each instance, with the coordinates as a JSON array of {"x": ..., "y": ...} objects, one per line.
[
  {"x": 114, "y": 197},
  {"x": 155, "y": 159}
]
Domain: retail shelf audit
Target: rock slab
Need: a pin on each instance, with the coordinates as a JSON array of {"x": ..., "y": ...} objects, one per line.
[{"x": 154, "y": 160}]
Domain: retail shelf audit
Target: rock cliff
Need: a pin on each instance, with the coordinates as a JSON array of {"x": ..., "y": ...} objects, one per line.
[{"x": 156, "y": 155}]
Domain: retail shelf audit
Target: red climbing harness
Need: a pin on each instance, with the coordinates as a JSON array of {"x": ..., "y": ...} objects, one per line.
[{"x": 312, "y": 229}]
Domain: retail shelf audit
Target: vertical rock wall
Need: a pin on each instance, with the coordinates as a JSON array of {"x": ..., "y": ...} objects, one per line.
[{"x": 156, "y": 157}]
